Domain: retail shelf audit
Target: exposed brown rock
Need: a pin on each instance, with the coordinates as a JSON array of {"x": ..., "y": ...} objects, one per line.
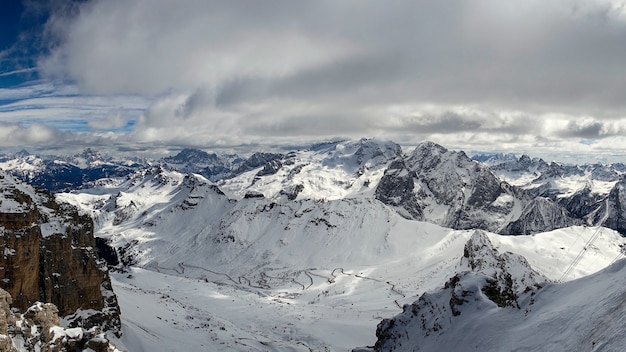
[
  {"x": 47, "y": 254},
  {"x": 5, "y": 320},
  {"x": 19, "y": 262},
  {"x": 38, "y": 329}
]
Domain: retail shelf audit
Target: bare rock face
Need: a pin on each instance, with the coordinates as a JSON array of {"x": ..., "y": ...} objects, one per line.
[
  {"x": 612, "y": 211},
  {"x": 6, "y": 318},
  {"x": 489, "y": 280},
  {"x": 447, "y": 188},
  {"x": 38, "y": 329},
  {"x": 397, "y": 188},
  {"x": 49, "y": 255}
]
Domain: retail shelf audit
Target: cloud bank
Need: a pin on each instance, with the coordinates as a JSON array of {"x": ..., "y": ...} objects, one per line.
[{"x": 470, "y": 74}]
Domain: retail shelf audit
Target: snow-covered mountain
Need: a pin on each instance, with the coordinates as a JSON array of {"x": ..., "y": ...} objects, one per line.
[
  {"x": 448, "y": 188},
  {"x": 498, "y": 302},
  {"x": 210, "y": 165},
  {"x": 430, "y": 183},
  {"x": 300, "y": 274},
  {"x": 311, "y": 249},
  {"x": 589, "y": 192},
  {"x": 326, "y": 171},
  {"x": 61, "y": 173},
  {"x": 493, "y": 158}
]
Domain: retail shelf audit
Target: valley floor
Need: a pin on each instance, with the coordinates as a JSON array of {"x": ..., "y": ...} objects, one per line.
[{"x": 322, "y": 309}]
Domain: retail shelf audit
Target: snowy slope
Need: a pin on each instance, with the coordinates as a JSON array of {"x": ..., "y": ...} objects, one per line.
[
  {"x": 213, "y": 273},
  {"x": 474, "y": 310},
  {"x": 326, "y": 171}
]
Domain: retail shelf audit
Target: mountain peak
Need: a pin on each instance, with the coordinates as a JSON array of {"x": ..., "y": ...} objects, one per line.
[
  {"x": 190, "y": 155},
  {"x": 494, "y": 158},
  {"x": 494, "y": 281},
  {"x": 22, "y": 153}
]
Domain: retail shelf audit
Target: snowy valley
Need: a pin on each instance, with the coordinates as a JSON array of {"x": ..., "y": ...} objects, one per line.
[{"x": 353, "y": 243}]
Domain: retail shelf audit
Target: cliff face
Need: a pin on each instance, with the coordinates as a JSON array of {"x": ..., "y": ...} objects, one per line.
[
  {"x": 48, "y": 255},
  {"x": 38, "y": 329},
  {"x": 447, "y": 188},
  {"x": 488, "y": 282}
]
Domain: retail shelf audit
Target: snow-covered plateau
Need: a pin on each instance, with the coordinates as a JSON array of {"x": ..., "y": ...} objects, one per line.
[{"x": 357, "y": 243}]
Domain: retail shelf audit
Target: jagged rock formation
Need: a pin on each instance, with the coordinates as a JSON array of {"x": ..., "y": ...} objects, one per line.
[
  {"x": 209, "y": 165},
  {"x": 38, "y": 329},
  {"x": 261, "y": 159},
  {"x": 448, "y": 188},
  {"x": 540, "y": 215},
  {"x": 611, "y": 212},
  {"x": 65, "y": 173},
  {"x": 49, "y": 256},
  {"x": 589, "y": 192},
  {"x": 397, "y": 188},
  {"x": 502, "y": 304},
  {"x": 490, "y": 281}
]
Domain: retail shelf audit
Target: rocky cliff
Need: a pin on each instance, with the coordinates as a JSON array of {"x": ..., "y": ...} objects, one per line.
[
  {"x": 488, "y": 281},
  {"x": 447, "y": 188},
  {"x": 38, "y": 329},
  {"x": 48, "y": 255}
]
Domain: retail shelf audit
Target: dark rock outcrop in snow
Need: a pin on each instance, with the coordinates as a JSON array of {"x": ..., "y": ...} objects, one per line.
[
  {"x": 50, "y": 256},
  {"x": 448, "y": 188},
  {"x": 257, "y": 160},
  {"x": 38, "y": 329},
  {"x": 491, "y": 281},
  {"x": 611, "y": 212},
  {"x": 210, "y": 165},
  {"x": 540, "y": 215},
  {"x": 397, "y": 188}
]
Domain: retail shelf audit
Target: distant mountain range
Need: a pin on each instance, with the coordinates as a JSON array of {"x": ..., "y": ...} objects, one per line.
[
  {"x": 312, "y": 248},
  {"x": 502, "y": 193},
  {"x": 592, "y": 192}
]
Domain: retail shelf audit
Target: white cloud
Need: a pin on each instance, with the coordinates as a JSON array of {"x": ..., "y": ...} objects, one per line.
[
  {"x": 16, "y": 134},
  {"x": 115, "y": 119},
  {"x": 470, "y": 74},
  {"x": 152, "y": 46}
]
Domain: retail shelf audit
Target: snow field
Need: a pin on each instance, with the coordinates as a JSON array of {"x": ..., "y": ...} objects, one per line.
[{"x": 257, "y": 274}]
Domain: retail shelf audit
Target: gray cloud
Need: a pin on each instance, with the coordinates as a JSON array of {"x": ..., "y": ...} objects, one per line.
[
  {"x": 115, "y": 119},
  {"x": 592, "y": 129},
  {"x": 448, "y": 122},
  {"x": 19, "y": 134},
  {"x": 529, "y": 73},
  {"x": 564, "y": 53}
]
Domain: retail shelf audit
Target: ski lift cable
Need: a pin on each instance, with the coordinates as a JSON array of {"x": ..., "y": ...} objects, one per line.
[{"x": 580, "y": 255}]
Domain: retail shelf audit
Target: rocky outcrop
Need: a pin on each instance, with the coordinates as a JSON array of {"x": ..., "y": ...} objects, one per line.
[
  {"x": 541, "y": 214},
  {"x": 582, "y": 203},
  {"x": 6, "y": 319},
  {"x": 490, "y": 281},
  {"x": 210, "y": 165},
  {"x": 49, "y": 255},
  {"x": 38, "y": 329},
  {"x": 449, "y": 189},
  {"x": 611, "y": 212},
  {"x": 397, "y": 188},
  {"x": 261, "y": 159}
]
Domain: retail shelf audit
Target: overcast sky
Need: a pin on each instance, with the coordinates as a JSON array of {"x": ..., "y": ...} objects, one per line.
[{"x": 524, "y": 76}]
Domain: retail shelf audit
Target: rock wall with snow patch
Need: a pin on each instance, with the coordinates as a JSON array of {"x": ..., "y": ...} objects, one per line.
[
  {"x": 38, "y": 329},
  {"x": 449, "y": 189},
  {"x": 49, "y": 256},
  {"x": 487, "y": 281}
]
